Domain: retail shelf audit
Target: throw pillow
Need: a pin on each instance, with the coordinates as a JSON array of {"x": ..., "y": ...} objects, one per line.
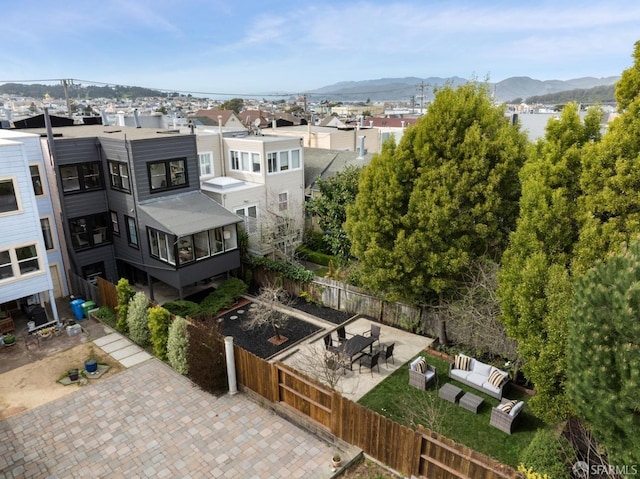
[
  {"x": 506, "y": 407},
  {"x": 421, "y": 365},
  {"x": 496, "y": 378},
  {"x": 462, "y": 362}
]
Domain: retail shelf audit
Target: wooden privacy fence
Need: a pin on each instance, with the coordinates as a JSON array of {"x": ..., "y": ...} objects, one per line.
[
  {"x": 419, "y": 453},
  {"x": 82, "y": 288},
  {"x": 107, "y": 293}
]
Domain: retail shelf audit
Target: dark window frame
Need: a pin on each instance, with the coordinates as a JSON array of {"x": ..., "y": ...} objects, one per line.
[
  {"x": 82, "y": 177},
  {"x": 167, "y": 181},
  {"x": 119, "y": 184},
  {"x": 90, "y": 231},
  {"x": 114, "y": 231},
  {"x": 129, "y": 222}
]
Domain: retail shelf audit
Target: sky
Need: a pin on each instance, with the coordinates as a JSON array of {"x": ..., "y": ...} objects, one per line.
[{"x": 238, "y": 48}]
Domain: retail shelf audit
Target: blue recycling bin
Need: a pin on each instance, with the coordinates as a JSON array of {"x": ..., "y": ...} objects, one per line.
[{"x": 76, "y": 308}]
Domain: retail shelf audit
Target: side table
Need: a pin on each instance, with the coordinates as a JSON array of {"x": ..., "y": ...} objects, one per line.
[
  {"x": 471, "y": 402},
  {"x": 450, "y": 393}
]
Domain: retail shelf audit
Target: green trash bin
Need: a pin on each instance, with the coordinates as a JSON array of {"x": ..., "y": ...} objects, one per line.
[{"x": 86, "y": 307}]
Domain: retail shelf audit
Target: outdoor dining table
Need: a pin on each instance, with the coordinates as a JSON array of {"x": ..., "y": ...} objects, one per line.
[{"x": 353, "y": 348}]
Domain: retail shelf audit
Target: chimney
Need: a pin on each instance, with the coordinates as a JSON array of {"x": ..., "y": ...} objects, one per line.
[
  {"x": 120, "y": 116},
  {"x": 220, "y": 124},
  {"x": 361, "y": 152},
  {"x": 103, "y": 114},
  {"x": 370, "y": 123},
  {"x": 274, "y": 124},
  {"x": 136, "y": 119},
  {"x": 402, "y": 123}
]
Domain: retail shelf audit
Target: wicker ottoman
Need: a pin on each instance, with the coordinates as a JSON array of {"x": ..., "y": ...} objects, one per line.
[
  {"x": 471, "y": 402},
  {"x": 450, "y": 393}
]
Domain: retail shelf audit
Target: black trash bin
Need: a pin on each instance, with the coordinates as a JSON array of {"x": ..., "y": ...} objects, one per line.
[{"x": 37, "y": 314}]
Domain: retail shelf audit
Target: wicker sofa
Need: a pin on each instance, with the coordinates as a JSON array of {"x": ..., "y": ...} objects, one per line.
[
  {"x": 505, "y": 420},
  {"x": 421, "y": 374},
  {"x": 479, "y": 376}
]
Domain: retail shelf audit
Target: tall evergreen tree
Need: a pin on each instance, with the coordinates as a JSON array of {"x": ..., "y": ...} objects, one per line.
[
  {"x": 603, "y": 377},
  {"x": 446, "y": 195},
  {"x": 534, "y": 281}
]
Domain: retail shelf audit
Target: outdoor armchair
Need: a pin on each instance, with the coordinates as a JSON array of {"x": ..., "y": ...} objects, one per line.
[
  {"x": 503, "y": 417},
  {"x": 421, "y": 374}
]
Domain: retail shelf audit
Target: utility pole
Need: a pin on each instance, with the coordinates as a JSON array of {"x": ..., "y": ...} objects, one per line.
[
  {"x": 65, "y": 86},
  {"x": 420, "y": 87}
]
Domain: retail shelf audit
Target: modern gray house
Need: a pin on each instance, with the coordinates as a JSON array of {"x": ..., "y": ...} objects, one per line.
[{"x": 130, "y": 206}]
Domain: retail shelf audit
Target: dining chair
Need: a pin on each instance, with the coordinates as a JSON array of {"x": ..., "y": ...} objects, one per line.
[
  {"x": 374, "y": 332},
  {"x": 388, "y": 353},
  {"x": 370, "y": 361}
]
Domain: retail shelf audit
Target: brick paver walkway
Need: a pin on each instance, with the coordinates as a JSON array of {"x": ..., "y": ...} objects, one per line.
[{"x": 150, "y": 422}]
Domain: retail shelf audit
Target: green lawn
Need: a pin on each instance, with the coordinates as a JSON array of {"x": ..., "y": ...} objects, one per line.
[{"x": 394, "y": 398}]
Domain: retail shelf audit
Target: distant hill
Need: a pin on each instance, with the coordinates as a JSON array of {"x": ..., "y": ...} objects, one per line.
[
  {"x": 597, "y": 94},
  {"x": 403, "y": 89},
  {"x": 37, "y": 90}
]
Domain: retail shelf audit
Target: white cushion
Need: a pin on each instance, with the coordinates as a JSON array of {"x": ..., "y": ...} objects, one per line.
[
  {"x": 475, "y": 378},
  {"x": 516, "y": 409},
  {"x": 490, "y": 387},
  {"x": 459, "y": 373},
  {"x": 429, "y": 374},
  {"x": 482, "y": 369},
  {"x": 413, "y": 363}
]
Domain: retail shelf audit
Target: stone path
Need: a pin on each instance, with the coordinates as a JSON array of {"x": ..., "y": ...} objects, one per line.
[
  {"x": 121, "y": 349},
  {"x": 150, "y": 422}
]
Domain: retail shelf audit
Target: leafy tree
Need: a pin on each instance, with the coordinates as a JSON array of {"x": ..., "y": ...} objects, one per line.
[
  {"x": 446, "y": 195},
  {"x": 235, "y": 104},
  {"x": 138, "y": 319},
  {"x": 628, "y": 86},
  {"x": 159, "y": 322},
  {"x": 534, "y": 282},
  {"x": 330, "y": 207},
  {"x": 125, "y": 293},
  {"x": 610, "y": 181},
  {"x": 604, "y": 353},
  {"x": 178, "y": 345}
]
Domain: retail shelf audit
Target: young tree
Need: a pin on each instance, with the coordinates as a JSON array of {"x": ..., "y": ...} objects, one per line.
[
  {"x": 125, "y": 293},
  {"x": 534, "y": 281},
  {"x": 603, "y": 378},
  {"x": 235, "y": 104},
  {"x": 138, "y": 319},
  {"x": 330, "y": 208},
  {"x": 447, "y": 195},
  {"x": 178, "y": 345},
  {"x": 267, "y": 310},
  {"x": 159, "y": 322},
  {"x": 628, "y": 86}
]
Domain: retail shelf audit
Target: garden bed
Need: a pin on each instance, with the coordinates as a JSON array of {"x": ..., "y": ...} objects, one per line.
[
  {"x": 257, "y": 341},
  {"x": 328, "y": 314}
]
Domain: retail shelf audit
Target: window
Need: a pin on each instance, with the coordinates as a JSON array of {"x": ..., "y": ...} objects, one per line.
[
  {"x": 132, "y": 233},
  {"x": 283, "y": 201},
  {"x": 295, "y": 159},
  {"x": 36, "y": 180},
  {"x": 205, "y": 160},
  {"x": 93, "y": 271},
  {"x": 9, "y": 201},
  {"x": 185, "y": 249},
  {"x": 201, "y": 244},
  {"x": 89, "y": 231},
  {"x": 250, "y": 216},
  {"x": 27, "y": 257},
  {"x": 80, "y": 177},
  {"x": 244, "y": 161},
  {"x": 119, "y": 175},
  {"x": 19, "y": 261},
  {"x": 284, "y": 160},
  {"x": 46, "y": 233},
  {"x": 272, "y": 162},
  {"x": 6, "y": 271},
  {"x": 167, "y": 174},
  {"x": 161, "y": 246},
  {"x": 115, "y": 226}
]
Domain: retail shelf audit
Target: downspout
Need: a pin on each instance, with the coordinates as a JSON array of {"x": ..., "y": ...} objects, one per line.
[{"x": 224, "y": 157}]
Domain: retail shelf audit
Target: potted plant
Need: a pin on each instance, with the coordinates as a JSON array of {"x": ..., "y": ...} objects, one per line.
[
  {"x": 91, "y": 363},
  {"x": 336, "y": 460},
  {"x": 9, "y": 339}
]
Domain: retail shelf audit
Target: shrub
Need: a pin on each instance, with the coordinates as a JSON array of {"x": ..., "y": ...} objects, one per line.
[
  {"x": 223, "y": 297},
  {"x": 182, "y": 308},
  {"x": 159, "y": 322},
  {"x": 315, "y": 256},
  {"x": 125, "y": 293},
  {"x": 530, "y": 474},
  {"x": 289, "y": 271},
  {"x": 178, "y": 345},
  {"x": 138, "y": 319},
  {"x": 106, "y": 315},
  {"x": 550, "y": 454}
]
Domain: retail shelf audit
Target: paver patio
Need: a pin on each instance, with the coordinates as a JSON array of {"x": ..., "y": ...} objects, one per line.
[{"x": 149, "y": 421}]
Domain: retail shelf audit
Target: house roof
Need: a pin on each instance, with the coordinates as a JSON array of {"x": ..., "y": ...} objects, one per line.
[
  {"x": 37, "y": 121},
  {"x": 213, "y": 115},
  {"x": 323, "y": 163},
  {"x": 187, "y": 214}
]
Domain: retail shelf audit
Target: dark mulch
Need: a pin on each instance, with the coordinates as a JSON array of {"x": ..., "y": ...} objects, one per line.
[
  {"x": 257, "y": 341},
  {"x": 332, "y": 315}
]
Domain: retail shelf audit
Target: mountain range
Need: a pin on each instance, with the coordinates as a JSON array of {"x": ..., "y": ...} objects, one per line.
[{"x": 404, "y": 89}]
